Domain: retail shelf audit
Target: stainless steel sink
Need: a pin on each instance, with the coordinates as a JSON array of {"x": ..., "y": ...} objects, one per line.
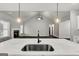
[{"x": 37, "y": 47}]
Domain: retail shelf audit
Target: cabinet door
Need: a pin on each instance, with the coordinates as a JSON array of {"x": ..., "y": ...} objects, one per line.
[
  {"x": 77, "y": 22},
  {"x": 64, "y": 29}
]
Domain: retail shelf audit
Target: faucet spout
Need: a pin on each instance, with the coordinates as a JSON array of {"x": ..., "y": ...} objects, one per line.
[
  {"x": 38, "y": 38},
  {"x": 39, "y": 41}
]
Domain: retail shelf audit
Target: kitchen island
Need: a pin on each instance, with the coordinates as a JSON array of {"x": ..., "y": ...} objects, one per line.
[{"x": 13, "y": 47}]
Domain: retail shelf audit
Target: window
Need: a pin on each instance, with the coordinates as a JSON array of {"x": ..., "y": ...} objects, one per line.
[
  {"x": 4, "y": 28},
  {"x": 1, "y": 29}
]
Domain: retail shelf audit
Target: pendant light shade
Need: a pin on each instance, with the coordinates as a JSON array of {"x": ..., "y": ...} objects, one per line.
[
  {"x": 40, "y": 18},
  {"x": 57, "y": 20},
  {"x": 18, "y": 18}
]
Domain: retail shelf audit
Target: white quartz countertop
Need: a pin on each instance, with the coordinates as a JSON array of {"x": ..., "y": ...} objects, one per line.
[{"x": 61, "y": 46}]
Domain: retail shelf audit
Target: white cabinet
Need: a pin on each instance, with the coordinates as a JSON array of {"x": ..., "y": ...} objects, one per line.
[
  {"x": 64, "y": 29},
  {"x": 77, "y": 22},
  {"x": 76, "y": 39}
]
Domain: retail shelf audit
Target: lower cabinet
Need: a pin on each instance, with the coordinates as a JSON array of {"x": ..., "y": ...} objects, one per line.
[{"x": 4, "y": 39}]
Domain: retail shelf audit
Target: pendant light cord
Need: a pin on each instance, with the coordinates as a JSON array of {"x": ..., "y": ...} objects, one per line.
[
  {"x": 18, "y": 9},
  {"x": 57, "y": 9},
  {"x": 39, "y": 13}
]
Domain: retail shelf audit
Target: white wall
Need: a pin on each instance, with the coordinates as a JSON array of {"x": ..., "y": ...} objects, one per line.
[
  {"x": 33, "y": 25},
  {"x": 64, "y": 29},
  {"x": 73, "y": 23},
  {"x": 75, "y": 26},
  {"x": 56, "y": 30}
]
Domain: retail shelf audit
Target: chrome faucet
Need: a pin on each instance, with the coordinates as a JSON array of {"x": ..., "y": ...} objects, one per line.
[{"x": 38, "y": 38}]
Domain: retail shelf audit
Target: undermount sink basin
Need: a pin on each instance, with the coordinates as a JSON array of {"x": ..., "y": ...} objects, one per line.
[{"x": 37, "y": 47}]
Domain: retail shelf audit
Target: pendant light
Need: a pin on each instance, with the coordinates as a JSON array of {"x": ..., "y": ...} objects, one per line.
[
  {"x": 57, "y": 18},
  {"x": 18, "y": 18},
  {"x": 40, "y": 16}
]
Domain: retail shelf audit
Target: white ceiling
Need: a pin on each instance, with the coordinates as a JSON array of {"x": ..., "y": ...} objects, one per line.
[
  {"x": 26, "y": 15},
  {"x": 38, "y": 6},
  {"x": 30, "y": 10}
]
